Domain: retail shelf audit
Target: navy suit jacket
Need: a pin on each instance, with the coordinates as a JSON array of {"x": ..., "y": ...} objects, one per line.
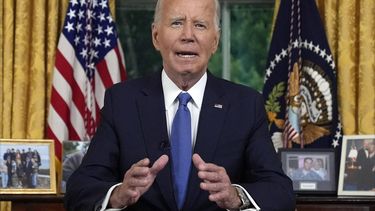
[{"x": 133, "y": 126}]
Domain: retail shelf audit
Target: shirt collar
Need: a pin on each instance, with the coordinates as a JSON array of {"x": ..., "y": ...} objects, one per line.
[{"x": 171, "y": 90}]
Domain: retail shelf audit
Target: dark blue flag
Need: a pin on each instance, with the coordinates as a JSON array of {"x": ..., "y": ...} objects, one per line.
[{"x": 300, "y": 82}]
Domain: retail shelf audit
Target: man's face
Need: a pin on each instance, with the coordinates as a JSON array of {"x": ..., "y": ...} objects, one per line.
[
  {"x": 318, "y": 164},
  {"x": 366, "y": 143},
  {"x": 307, "y": 164},
  {"x": 186, "y": 36},
  {"x": 371, "y": 147}
]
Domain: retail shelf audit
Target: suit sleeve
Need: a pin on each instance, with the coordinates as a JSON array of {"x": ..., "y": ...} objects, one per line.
[{"x": 264, "y": 177}]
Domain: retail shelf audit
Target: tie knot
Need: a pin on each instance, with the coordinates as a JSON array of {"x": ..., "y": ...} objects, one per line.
[{"x": 184, "y": 98}]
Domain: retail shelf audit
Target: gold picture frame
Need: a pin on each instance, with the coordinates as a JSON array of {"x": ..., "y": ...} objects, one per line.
[
  {"x": 27, "y": 166},
  {"x": 357, "y": 166}
]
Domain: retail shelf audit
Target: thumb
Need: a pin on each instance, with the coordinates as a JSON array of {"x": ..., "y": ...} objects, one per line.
[
  {"x": 198, "y": 161},
  {"x": 159, "y": 164}
]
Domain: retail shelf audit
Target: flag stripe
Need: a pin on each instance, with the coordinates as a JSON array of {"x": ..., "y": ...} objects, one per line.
[
  {"x": 77, "y": 131},
  {"x": 67, "y": 72},
  {"x": 104, "y": 73},
  {"x": 99, "y": 90},
  {"x": 60, "y": 84},
  {"x": 58, "y": 147},
  {"x": 57, "y": 125},
  {"x": 113, "y": 69},
  {"x": 60, "y": 106},
  {"x": 120, "y": 55}
]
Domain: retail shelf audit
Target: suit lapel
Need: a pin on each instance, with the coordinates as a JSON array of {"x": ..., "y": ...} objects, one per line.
[
  {"x": 211, "y": 120},
  {"x": 152, "y": 116}
]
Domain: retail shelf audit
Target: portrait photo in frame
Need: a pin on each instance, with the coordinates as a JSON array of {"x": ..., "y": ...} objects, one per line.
[
  {"x": 27, "y": 166},
  {"x": 73, "y": 153},
  {"x": 313, "y": 171},
  {"x": 357, "y": 166}
]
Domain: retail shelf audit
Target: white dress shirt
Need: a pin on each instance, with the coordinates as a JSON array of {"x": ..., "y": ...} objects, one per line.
[{"x": 171, "y": 92}]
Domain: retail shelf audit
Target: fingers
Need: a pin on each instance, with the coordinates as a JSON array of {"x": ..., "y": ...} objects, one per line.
[
  {"x": 140, "y": 174},
  {"x": 137, "y": 180},
  {"x": 217, "y": 176},
  {"x": 159, "y": 164},
  {"x": 143, "y": 162},
  {"x": 209, "y": 172},
  {"x": 215, "y": 180},
  {"x": 213, "y": 187},
  {"x": 140, "y": 168},
  {"x": 219, "y": 196},
  {"x": 201, "y": 165}
]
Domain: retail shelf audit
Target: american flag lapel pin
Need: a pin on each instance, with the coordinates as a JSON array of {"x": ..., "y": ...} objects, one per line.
[{"x": 218, "y": 106}]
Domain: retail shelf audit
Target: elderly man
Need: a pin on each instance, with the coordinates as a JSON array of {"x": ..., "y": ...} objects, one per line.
[{"x": 182, "y": 139}]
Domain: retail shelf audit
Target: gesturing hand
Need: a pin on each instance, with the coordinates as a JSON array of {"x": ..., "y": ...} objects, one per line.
[
  {"x": 137, "y": 180},
  {"x": 216, "y": 181}
]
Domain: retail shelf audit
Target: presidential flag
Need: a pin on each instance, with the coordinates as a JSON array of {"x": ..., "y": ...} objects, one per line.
[
  {"x": 89, "y": 59},
  {"x": 300, "y": 81}
]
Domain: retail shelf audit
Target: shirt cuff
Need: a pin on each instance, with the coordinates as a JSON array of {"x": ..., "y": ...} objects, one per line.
[
  {"x": 255, "y": 205},
  {"x": 106, "y": 200}
]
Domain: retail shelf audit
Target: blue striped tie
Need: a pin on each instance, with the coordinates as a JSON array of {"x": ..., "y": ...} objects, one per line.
[{"x": 181, "y": 148}]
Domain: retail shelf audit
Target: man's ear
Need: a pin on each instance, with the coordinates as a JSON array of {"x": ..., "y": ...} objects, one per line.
[
  {"x": 216, "y": 42},
  {"x": 154, "y": 34}
]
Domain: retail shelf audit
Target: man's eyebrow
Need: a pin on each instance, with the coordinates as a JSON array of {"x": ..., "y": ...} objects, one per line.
[
  {"x": 201, "y": 21},
  {"x": 177, "y": 18}
]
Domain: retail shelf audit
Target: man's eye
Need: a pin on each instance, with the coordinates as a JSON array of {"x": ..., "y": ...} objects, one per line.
[
  {"x": 200, "y": 26},
  {"x": 176, "y": 23}
]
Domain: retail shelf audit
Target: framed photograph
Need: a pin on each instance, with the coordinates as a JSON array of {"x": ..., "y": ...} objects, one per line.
[
  {"x": 73, "y": 153},
  {"x": 312, "y": 171},
  {"x": 27, "y": 166},
  {"x": 357, "y": 166}
]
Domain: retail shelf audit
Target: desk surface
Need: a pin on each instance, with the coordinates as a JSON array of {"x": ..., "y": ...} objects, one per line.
[
  {"x": 300, "y": 199},
  {"x": 47, "y": 198},
  {"x": 335, "y": 199}
]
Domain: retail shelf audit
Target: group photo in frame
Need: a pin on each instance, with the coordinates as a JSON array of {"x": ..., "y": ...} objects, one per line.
[
  {"x": 312, "y": 171},
  {"x": 73, "y": 153},
  {"x": 357, "y": 166},
  {"x": 27, "y": 166}
]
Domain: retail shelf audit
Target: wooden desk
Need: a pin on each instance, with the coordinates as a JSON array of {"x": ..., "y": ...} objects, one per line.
[
  {"x": 304, "y": 203},
  {"x": 334, "y": 203},
  {"x": 40, "y": 202}
]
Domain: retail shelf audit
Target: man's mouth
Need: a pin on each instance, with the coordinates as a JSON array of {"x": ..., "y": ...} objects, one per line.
[{"x": 186, "y": 54}]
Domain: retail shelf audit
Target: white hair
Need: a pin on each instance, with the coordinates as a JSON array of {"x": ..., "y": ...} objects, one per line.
[{"x": 158, "y": 12}]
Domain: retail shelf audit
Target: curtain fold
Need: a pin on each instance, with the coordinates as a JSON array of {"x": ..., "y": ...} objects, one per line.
[
  {"x": 28, "y": 37},
  {"x": 347, "y": 64},
  {"x": 366, "y": 83},
  {"x": 350, "y": 27},
  {"x": 7, "y": 68}
]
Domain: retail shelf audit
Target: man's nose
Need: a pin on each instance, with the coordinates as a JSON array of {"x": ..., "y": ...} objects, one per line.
[{"x": 188, "y": 33}]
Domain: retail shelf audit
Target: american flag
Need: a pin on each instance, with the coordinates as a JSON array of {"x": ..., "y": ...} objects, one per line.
[{"x": 89, "y": 59}]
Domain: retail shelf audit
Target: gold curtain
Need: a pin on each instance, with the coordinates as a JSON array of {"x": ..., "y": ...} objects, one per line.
[
  {"x": 350, "y": 29},
  {"x": 29, "y": 32},
  {"x": 28, "y": 38}
]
